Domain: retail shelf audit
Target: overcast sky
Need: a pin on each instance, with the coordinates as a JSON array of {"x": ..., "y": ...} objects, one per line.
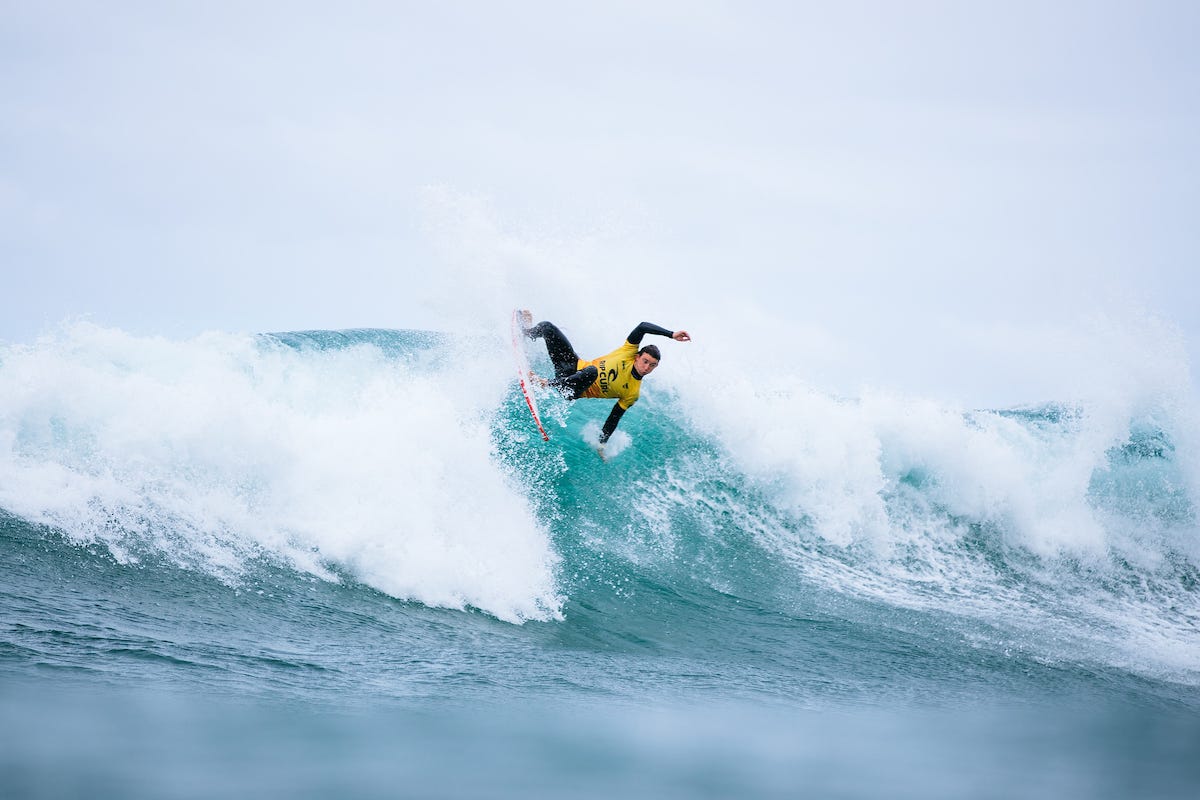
[{"x": 916, "y": 181}]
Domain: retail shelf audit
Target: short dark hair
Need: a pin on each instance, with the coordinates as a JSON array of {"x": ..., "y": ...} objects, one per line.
[{"x": 651, "y": 350}]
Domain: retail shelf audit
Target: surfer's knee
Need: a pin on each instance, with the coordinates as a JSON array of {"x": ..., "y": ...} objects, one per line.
[
  {"x": 585, "y": 378},
  {"x": 573, "y": 385}
]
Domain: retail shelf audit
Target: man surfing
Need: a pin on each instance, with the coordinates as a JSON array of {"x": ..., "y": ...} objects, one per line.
[{"x": 617, "y": 375}]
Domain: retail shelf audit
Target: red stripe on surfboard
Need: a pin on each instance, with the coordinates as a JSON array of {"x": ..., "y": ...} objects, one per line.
[{"x": 533, "y": 412}]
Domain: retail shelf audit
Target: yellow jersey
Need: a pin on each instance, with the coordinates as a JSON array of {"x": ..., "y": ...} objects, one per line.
[{"x": 616, "y": 378}]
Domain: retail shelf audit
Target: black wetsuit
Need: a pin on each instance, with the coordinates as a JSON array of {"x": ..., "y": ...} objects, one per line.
[{"x": 572, "y": 381}]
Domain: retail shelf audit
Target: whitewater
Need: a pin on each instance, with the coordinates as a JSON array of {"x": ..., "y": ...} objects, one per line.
[{"x": 368, "y": 520}]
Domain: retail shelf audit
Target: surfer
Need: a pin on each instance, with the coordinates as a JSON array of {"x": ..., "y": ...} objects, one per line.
[{"x": 617, "y": 375}]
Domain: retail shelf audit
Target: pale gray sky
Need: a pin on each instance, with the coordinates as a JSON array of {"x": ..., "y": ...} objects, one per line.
[{"x": 909, "y": 182}]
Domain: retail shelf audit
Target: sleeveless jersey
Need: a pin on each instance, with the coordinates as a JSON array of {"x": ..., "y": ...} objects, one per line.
[{"x": 616, "y": 376}]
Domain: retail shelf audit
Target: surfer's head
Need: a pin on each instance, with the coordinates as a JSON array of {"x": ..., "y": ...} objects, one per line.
[{"x": 647, "y": 359}]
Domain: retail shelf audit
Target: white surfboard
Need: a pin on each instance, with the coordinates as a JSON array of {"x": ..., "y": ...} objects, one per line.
[{"x": 523, "y": 372}]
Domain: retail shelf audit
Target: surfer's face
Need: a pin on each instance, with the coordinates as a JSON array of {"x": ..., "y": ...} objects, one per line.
[{"x": 645, "y": 364}]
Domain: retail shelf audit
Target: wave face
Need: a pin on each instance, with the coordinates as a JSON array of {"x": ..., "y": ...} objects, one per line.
[
  {"x": 727, "y": 529},
  {"x": 1063, "y": 533}
]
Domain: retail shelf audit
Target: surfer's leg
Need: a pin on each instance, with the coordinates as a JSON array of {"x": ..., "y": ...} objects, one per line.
[
  {"x": 573, "y": 385},
  {"x": 562, "y": 355}
]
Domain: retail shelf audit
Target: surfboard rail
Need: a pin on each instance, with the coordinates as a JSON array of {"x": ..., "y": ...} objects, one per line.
[{"x": 523, "y": 372}]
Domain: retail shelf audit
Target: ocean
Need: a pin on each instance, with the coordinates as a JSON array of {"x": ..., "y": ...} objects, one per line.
[{"x": 343, "y": 563}]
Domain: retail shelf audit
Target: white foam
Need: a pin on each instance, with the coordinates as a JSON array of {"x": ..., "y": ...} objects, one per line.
[
  {"x": 217, "y": 450},
  {"x": 618, "y": 443},
  {"x": 880, "y": 494},
  {"x": 831, "y": 459}
]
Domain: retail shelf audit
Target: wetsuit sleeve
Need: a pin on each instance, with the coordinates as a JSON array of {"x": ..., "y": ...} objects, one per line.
[
  {"x": 610, "y": 424},
  {"x": 647, "y": 327}
]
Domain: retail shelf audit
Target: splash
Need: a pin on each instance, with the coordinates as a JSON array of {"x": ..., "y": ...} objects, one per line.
[{"x": 360, "y": 454}]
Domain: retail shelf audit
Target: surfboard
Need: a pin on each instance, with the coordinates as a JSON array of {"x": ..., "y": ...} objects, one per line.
[{"x": 522, "y": 360}]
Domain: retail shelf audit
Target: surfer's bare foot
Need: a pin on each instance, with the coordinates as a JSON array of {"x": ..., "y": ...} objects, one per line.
[
  {"x": 526, "y": 318},
  {"x": 539, "y": 380}
]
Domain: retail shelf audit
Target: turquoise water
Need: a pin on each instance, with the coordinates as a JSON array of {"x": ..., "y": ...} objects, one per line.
[{"x": 343, "y": 563}]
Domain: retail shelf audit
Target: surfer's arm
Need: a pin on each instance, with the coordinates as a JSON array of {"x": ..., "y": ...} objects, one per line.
[
  {"x": 635, "y": 337},
  {"x": 610, "y": 424}
]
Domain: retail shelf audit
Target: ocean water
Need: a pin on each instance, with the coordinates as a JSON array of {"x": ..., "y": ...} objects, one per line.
[{"x": 343, "y": 563}]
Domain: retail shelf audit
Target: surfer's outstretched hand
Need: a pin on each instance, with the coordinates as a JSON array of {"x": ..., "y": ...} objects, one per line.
[{"x": 681, "y": 336}]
